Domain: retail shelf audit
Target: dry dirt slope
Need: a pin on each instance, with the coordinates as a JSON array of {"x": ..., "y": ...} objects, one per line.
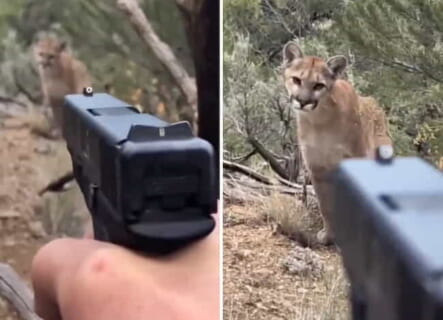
[
  {"x": 267, "y": 276},
  {"x": 27, "y": 221}
]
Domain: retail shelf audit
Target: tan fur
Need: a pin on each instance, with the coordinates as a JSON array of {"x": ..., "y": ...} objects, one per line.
[
  {"x": 333, "y": 121},
  {"x": 376, "y": 125},
  {"x": 60, "y": 74}
]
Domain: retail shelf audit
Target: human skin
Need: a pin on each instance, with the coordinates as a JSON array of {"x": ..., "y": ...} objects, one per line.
[{"x": 88, "y": 279}]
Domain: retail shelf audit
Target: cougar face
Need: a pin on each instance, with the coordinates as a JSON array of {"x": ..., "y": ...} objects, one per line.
[
  {"x": 47, "y": 52},
  {"x": 308, "y": 79}
]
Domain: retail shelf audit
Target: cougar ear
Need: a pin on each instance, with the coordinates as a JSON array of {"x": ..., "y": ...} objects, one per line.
[
  {"x": 291, "y": 51},
  {"x": 62, "y": 47},
  {"x": 337, "y": 65}
]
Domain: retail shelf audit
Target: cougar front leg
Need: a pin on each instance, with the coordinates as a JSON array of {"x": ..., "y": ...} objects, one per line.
[{"x": 324, "y": 191}]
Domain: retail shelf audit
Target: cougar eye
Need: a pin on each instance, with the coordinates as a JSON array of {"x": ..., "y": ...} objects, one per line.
[
  {"x": 51, "y": 56},
  {"x": 319, "y": 86},
  {"x": 296, "y": 80}
]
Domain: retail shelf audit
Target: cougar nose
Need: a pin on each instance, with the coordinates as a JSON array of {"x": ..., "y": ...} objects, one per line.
[{"x": 303, "y": 102}]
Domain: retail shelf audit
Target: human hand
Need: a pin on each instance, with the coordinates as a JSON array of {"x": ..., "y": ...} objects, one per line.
[{"x": 88, "y": 279}]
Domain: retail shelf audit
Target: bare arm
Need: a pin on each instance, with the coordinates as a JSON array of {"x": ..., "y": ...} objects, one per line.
[{"x": 88, "y": 279}]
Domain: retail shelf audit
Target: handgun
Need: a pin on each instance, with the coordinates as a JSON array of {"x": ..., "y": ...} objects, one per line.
[
  {"x": 388, "y": 224},
  {"x": 148, "y": 184}
]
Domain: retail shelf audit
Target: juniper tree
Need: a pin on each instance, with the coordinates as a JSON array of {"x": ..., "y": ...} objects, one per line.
[
  {"x": 400, "y": 43},
  {"x": 269, "y": 24},
  {"x": 403, "y": 34}
]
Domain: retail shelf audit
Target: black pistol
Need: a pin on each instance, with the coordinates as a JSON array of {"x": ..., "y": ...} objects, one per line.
[
  {"x": 149, "y": 185},
  {"x": 388, "y": 223}
]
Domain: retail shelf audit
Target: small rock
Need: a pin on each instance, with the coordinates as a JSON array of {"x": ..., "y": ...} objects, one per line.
[
  {"x": 14, "y": 123},
  {"x": 302, "y": 261},
  {"x": 8, "y": 214},
  {"x": 23, "y": 157},
  {"x": 9, "y": 242},
  {"x": 42, "y": 148},
  {"x": 295, "y": 266},
  {"x": 242, "y": 254},
  {"x": 37, "y": 229}
]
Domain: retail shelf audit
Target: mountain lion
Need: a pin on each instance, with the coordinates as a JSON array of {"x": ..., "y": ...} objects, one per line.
[
  {"x": 333, "y": 121},
  {"x": 60, "y": 74}
]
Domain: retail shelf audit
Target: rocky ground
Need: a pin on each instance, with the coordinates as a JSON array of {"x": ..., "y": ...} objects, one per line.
[
  {"x": 268, "y": 276},
  {"x": 27, "y": 221}
]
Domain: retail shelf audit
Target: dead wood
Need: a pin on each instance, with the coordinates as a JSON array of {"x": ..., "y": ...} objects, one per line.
[
  {"x": 161, "y": 50},
  {"x": 244, "y": 190},
  {"x": 262, "y": 178},
  {"x": 13, "y": 289},
  {"x": 237, "y": 193},
  {"x": 273, "y": 162},
  {"x": 247, "y": 171},
  {"x": 58, "y": 184},
  {"x": 245, "y": 157}
]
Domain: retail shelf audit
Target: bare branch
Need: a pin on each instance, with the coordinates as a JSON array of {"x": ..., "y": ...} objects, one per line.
[
  {"x": 245, "y": 157},
  {"x": 58, "y": 184},
  {"x": 280, "y": 19},
  {"x": 161, "y": 50},
  {"x": 247, "y": 171},
  {"x": 275, "y": 165},
  {"x": 262, "y": 189},
  {"x": 297, "y": 188},
  {"x": 17, "y": 293}
]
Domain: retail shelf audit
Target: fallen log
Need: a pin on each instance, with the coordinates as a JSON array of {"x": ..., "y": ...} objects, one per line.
[
  {"x": 244, "y": 191},
  {"x": 247, "y": 171},
  {"x": 294, "y": 187}
]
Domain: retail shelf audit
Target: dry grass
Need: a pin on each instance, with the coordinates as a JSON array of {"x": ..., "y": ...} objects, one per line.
[
  {"x": 269, "y": 276},
  {"x": 291, "y": 217}
]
